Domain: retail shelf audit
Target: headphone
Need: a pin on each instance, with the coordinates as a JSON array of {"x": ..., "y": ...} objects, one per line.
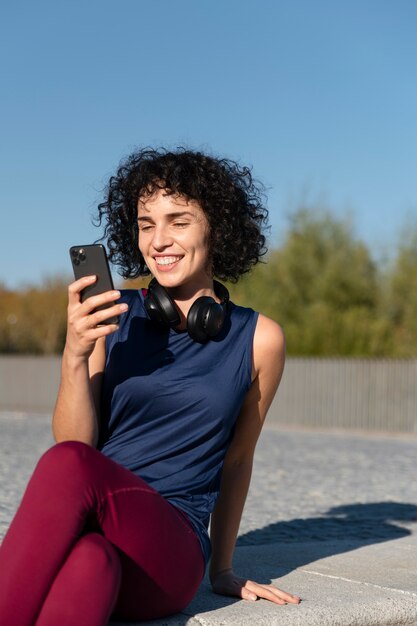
[{"x": 205, "y": 318}]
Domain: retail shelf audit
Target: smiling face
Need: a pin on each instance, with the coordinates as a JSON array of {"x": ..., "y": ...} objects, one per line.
[{"x": 173, "y": 239}]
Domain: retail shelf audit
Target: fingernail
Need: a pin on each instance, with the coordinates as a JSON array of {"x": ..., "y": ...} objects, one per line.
[
  {"x": 252, "y": 597},
  {"x": 123, "y": 307}
]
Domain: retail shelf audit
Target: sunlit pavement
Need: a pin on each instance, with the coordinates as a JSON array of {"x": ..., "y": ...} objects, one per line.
[{"x": 331, "y": 517}]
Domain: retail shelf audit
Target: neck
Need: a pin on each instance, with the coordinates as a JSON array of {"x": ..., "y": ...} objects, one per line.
[{"x": 185, "y": 296}]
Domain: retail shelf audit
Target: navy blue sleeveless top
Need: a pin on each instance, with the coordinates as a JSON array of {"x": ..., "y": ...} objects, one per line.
[{"x": 169, "y": 405}]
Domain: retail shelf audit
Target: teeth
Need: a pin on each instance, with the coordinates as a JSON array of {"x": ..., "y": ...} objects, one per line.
[{"x": 166, "y": 260}]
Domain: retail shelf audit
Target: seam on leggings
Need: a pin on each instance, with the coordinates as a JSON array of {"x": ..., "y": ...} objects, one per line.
[
  {"x": 103, "y": 499},
  {"x": 127, "y": 489}
]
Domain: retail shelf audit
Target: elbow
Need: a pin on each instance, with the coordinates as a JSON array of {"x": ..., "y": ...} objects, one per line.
[
  {"x": 239, "y": 457},
  {"x": 60, "y": 437},
  {"x": 238, "y": 464}
]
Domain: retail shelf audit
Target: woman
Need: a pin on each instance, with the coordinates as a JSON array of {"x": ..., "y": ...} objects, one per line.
[{"x": 156, "y": 418}]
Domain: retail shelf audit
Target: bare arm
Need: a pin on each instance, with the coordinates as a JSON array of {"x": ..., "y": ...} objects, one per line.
[
  {"x": 76, "y": 410},
  {"x": 269, "y": 357}
]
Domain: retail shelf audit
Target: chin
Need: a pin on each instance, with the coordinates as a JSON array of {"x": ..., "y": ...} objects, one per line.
[{"x": 168, "y": 281}]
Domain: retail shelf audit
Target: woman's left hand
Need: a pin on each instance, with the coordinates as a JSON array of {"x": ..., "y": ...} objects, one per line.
[{"x": 227, "y": 583}]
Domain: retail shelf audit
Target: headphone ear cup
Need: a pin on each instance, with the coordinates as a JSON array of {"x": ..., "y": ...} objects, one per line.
[
  {"x": 196, "y": 318},
  {"x": 160, "y": 307},
  {"x": 205, "y": 319}
]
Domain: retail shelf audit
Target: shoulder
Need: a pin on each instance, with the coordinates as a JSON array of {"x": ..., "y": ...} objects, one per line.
[
  {"x": 268, "y": 345},
  {"x": 269, "y": 336}
]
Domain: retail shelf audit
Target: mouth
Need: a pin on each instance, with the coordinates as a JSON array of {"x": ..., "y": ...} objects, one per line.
[{"x": 166, "y": 261}]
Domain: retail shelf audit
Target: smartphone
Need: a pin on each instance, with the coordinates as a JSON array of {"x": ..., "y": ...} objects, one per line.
[{"x": 89, "y": 260}]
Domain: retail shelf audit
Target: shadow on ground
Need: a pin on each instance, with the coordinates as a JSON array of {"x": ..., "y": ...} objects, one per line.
[
  {"x": 342, "y": 529},
  {"x": 361, "y": 523}
]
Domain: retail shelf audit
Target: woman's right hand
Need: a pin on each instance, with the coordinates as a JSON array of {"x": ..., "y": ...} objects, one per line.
[{"x": 83, "y": 327}]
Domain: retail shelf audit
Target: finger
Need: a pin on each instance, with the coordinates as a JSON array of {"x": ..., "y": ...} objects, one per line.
[
  {"x": 77, "y": 286},
  {"x": 260, "y": 591},
  {"x": 101, "y": 331},
  {"x": 95, "y": 302},
  {"x": 246, "y": 594},
  {"x": 288, "y": 597},
  {"x": 100, "y": 317},
  {"x": 272, "y": 593}
]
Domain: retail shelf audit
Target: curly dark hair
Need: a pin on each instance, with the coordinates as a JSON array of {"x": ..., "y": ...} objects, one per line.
[{"x": 231, "y": 199}]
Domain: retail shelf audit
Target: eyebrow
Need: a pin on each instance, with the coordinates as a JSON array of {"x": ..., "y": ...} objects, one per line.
[{"x": 148, "y": 218}]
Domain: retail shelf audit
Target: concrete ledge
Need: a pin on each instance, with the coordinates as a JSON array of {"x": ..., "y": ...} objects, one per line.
[{"x": 373, "y": 585}]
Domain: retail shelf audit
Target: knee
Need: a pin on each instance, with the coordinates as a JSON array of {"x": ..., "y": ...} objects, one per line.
[
  {"x": 68, "y": 457},
  {"x": 97, "y": 559}
]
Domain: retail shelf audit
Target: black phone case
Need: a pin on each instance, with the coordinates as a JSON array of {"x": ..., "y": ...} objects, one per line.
[{"x": 88, "y": 260}]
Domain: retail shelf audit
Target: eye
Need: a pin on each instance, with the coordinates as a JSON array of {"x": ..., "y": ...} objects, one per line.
[
  {"x": 145, "y": 227},
  {"x": 180, "y": 224}
]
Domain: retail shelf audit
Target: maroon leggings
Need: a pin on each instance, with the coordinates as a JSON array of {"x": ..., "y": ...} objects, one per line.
[{"x": 90, "y": 540}]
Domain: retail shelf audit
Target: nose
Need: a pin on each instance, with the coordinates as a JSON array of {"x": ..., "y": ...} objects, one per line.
[{"x": 161, "y": 238}]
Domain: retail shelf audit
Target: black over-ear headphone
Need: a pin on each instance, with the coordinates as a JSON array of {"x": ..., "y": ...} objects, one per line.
[{"x": 205, "y": 318}]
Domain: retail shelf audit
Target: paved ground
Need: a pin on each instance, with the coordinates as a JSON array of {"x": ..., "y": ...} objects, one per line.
[{"x": 330, "y": 516}]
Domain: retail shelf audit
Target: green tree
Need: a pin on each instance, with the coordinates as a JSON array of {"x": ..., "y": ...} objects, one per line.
[
  {"x": 402, "y": 295},
  {"x": 321, "y": 285},
  {"x": 323, "y": 288}
]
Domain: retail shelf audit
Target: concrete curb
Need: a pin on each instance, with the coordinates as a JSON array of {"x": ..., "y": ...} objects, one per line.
[{"x": 374, "y": 585}]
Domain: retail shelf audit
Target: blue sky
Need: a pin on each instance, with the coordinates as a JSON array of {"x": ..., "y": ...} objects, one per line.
[{"x": 320, "y": 97}]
